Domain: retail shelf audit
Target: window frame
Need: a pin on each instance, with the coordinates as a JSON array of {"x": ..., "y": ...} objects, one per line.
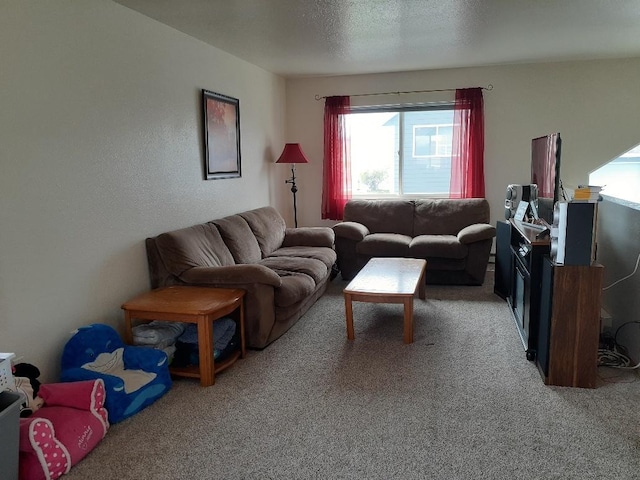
[{"x": 401, "y": 108}]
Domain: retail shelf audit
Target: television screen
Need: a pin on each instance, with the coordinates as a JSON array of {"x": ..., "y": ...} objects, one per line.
[{"x": 545, "y": 173}]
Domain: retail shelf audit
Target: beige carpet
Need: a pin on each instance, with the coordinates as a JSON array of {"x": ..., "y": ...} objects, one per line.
[{"x": 461, "y": 402}]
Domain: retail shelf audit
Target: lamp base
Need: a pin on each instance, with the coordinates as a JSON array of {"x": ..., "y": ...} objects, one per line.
[{"x": 294, "y": 190}]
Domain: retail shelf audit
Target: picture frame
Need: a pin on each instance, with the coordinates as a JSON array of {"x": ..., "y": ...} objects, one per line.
[
  {"x": 523, "y": 207},
  {"x": 221, "y": 136}
]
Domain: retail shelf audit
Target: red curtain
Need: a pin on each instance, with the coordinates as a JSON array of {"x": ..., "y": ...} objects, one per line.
[
  {"x": 336, "y": 190},
  {"x": 467, "y": 156}
]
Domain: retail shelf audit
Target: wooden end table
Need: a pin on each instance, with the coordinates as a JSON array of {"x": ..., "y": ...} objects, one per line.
[
  {"x": 387, "y": 280},
  {"x": 199, "y": 305}
]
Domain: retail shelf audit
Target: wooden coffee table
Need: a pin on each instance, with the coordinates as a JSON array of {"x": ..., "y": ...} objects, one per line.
[
  {"x": 387, "y": 280},
  {"x": 200, "y": 305}
]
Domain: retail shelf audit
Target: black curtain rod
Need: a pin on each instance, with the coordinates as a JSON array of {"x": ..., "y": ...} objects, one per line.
[{"x": 488, "y": 88}]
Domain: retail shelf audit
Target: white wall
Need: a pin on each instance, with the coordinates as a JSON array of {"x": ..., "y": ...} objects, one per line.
[
  {"x": 100, "y": 147},
  {"x": 618, "y": 249},
  {"x": 594, "y": 105}
]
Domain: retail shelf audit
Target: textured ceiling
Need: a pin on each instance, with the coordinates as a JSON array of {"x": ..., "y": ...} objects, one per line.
[{"x": 331, "y": 37}]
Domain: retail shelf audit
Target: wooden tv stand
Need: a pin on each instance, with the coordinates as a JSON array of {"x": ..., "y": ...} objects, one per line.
[{"x": 556, "y": 308}]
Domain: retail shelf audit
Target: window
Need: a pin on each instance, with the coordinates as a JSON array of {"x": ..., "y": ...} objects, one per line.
[
  {"x": 432, "y": 140},
  {"x": 401, "y": 151},
  {"x": 620, "y": 177}
]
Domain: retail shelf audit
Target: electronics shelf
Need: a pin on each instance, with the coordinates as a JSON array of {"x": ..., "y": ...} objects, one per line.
[
  {"x": 556, "y": 309},
  {"x": 519, "y": 254}
]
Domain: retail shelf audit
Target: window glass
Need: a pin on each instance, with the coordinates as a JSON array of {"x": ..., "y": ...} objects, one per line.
[
  {"x": 395, "y": 153},
  {"x": 425, "y": 140},
  {"x": 620, "y": 177},
  {"x": 373, "y": 147}
]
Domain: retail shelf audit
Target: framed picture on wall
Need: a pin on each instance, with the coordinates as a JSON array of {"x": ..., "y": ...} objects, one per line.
[{"x": 221, "y": 136}]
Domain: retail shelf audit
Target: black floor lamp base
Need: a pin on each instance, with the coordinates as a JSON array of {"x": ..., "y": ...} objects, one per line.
[{"x": 294, "y": 190}]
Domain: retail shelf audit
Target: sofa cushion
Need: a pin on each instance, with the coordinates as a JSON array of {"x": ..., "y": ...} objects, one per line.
[
  {"x": 325, "y": 255},
  {"x": 384, "y": 245},
  {"x": 239, "y": 238},
  {"x": 295, "y": 288},
  {"x": 381, "y": 216},
  {"x": 197, "y": 246},
  {"x": 448, "y": 216},
  {"x": 267, "y": 226},
  {"x": 443, "y": 246},
  {"x": 309, "y": 266}
]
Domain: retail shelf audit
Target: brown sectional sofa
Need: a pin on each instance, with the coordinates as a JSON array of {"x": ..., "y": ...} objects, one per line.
[
  {"x": 284, "y": 270},
  {"x": 454, "y": 236}
]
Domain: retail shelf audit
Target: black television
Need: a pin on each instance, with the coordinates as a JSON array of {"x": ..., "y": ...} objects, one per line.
[{"x": 545, "y": 173}]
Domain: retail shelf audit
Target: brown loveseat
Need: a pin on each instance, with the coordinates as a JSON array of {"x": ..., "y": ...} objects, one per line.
[
  {"x": 284, "y": 270},
  {"x": 454, "y": 236}
]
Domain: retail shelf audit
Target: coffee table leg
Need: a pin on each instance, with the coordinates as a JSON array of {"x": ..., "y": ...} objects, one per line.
[
  {"x": 408, "y": 319},
  {"x": 205, "y": 350},
  {"x": 349, "y": 310}
]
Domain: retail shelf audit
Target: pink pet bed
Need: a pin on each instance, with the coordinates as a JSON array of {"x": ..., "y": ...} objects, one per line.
[{"x": 71, "y": 423}]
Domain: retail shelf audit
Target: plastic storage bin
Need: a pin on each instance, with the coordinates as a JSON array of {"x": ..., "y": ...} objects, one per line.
[
  {"x": 9, "y": 436},
  {"x": 6, "y": 375}
]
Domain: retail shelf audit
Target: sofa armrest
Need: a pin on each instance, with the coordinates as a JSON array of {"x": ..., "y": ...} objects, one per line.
[
  {"x": 476, "y": 233},
  {"x": 233, "y": 275},
  {"x": 351, "y": 230},
  {"x": 308, "y": 237}
]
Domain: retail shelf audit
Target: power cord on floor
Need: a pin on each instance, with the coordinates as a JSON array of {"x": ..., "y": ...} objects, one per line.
[
  {"x": 610, "y": 358},
  {"x": 613, "y": 354}
]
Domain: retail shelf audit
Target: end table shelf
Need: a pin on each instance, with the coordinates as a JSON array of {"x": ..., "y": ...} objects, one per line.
[
  {"x": 199, "y": 305},
  {"x": 193, "y": 371}
]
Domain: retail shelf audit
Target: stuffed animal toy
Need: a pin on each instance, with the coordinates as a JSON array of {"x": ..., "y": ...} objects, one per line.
[
  {"x": 134, "y": 377},
  {"x": 27, "y": 384}
]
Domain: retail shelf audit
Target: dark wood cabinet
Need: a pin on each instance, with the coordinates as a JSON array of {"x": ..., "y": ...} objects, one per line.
[
  {"x": 569, "y": 326},
  {"x": 519, "y": 254},
  {"x": 556, "y": 309},
  {"x": 503, "y": 261}
]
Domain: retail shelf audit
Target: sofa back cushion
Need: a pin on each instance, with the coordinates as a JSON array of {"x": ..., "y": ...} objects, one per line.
[
  {"x": 197, "y": 246},
  {"x": 267, "y": 226},
  {"x": 448, "y": 216},
  {"x": 381, "y": 216},
  {"x": 239, "y": 238}
]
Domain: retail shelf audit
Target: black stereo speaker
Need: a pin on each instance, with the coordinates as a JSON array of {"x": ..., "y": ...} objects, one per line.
[
  {"x": 573, "y": 233},
  {"x": 517, "y": 193}
]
